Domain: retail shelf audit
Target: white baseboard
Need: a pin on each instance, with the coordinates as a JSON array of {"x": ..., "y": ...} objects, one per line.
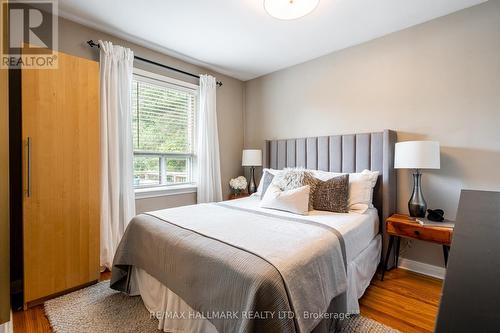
[
  {"x": 7, "y": 327},
  {"x": 422, "y": 268}
]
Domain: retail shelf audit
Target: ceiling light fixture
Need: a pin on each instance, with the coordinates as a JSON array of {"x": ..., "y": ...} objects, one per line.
[{"x": 289, "y": 9}]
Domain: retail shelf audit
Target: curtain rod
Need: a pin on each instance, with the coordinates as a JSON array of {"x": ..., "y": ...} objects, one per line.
[{"x": 91, "y": 43}]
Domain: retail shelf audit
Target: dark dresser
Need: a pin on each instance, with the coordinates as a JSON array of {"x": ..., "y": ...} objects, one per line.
[{"x": 471, "y": 292}]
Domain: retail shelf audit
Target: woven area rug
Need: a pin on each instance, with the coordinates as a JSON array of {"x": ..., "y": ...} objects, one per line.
[{"x": 101, "y": 309}]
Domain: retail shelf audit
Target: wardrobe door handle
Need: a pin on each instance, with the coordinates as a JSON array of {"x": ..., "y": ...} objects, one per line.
[{"x": 28, "y": 167}]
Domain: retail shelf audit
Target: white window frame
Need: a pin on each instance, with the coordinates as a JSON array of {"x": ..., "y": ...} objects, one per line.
[{"x": 143, "y": 192}]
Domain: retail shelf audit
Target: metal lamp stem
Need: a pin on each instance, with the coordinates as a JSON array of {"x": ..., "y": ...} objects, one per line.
[
  {"x": 417, "y": 205},
  {"x": 251, "y": 184}
]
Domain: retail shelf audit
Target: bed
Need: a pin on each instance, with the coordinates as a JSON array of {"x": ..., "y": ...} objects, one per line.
[{"x": 234, "y": 266}]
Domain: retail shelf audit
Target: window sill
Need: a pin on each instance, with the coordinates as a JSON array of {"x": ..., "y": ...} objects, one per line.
[{"x": 162, "y": 191}]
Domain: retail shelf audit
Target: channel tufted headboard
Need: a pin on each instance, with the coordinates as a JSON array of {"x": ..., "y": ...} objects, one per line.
[{"x": 343, "y": 153}]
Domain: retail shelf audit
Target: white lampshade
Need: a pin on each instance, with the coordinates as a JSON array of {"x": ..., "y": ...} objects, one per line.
[
  {"x": 251, "y": 157},
  {"x": 417, "y": 155}
]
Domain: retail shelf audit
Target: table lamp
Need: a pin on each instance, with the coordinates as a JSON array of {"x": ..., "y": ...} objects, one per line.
[
  {"x": 251, "y": 158},
  {"x": 417, "y": 155}
]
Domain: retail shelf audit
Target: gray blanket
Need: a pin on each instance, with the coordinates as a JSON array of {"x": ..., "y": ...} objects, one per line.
[{"x": 245, "y": 271}]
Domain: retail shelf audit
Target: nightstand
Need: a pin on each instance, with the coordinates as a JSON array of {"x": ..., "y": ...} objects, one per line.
[
  {"x": 233, "y": 196},
  {"x": 399, "y": 225}
]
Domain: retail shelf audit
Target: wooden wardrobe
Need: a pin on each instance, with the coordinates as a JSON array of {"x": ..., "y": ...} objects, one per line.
[{"x": 61, "y": 162}]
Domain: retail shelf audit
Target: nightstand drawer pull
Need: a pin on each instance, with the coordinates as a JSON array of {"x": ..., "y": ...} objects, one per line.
[{"x": 417, "y": 233}]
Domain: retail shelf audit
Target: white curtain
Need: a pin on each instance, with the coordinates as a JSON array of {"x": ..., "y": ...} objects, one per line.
[
  {"x": 209, "y": 179},
  {"x": 117, "y": 193}
]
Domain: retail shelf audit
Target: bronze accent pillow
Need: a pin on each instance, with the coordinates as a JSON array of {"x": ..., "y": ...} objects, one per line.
[{"x": 333, "y": 195}]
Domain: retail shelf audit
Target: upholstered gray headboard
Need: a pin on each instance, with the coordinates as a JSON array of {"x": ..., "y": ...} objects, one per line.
[{"x": 343, "y": 153}]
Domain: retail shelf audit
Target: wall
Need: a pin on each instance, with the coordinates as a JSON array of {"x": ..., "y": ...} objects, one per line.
[
  {"x": 230, "y": 102},
  {"x": 4, "y": 198},
  {"x": 436, "y": 81},
  {"x": 149, "y": 204}
]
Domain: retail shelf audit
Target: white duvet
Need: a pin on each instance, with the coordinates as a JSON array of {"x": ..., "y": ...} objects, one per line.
[{"x": 358, "y": 230}]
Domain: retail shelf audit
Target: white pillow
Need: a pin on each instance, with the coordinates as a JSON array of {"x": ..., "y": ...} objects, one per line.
[
  {"x": 361, "y": 190},
  {"x": 294, "y": 201},
  {"x": 272, "y": 172}
]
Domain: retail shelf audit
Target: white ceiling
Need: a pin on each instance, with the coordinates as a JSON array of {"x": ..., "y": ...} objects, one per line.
[{"x": 238, "y": 38}]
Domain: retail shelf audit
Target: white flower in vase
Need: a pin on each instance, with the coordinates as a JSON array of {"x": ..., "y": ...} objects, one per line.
[{"x": 238, "y": 184}]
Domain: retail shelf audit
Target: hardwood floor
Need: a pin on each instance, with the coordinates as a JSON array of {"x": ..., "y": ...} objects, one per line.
[{"x": 404, "y": 300}]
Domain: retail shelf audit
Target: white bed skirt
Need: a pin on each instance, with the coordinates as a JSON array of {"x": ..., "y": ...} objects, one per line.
[
  {"x": 175, "y": 315},
  {"x": 360, "y": 272}
]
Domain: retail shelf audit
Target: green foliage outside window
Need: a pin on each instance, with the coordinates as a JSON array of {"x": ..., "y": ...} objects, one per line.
[{"x": 163, "y": 123}]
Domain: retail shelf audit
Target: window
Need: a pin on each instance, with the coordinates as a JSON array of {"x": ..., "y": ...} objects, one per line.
[{"x": 163, "y": 127}]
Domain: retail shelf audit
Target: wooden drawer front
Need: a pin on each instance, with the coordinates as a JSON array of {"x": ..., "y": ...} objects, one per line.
[{"x": 437, "y": 235}]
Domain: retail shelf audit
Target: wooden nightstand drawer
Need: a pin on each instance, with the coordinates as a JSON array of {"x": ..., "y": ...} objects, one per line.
[
  {"x": 415, "y": 230},
  {"x": 233, "y": 196},
  {"x": 399, "y": 225}
]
